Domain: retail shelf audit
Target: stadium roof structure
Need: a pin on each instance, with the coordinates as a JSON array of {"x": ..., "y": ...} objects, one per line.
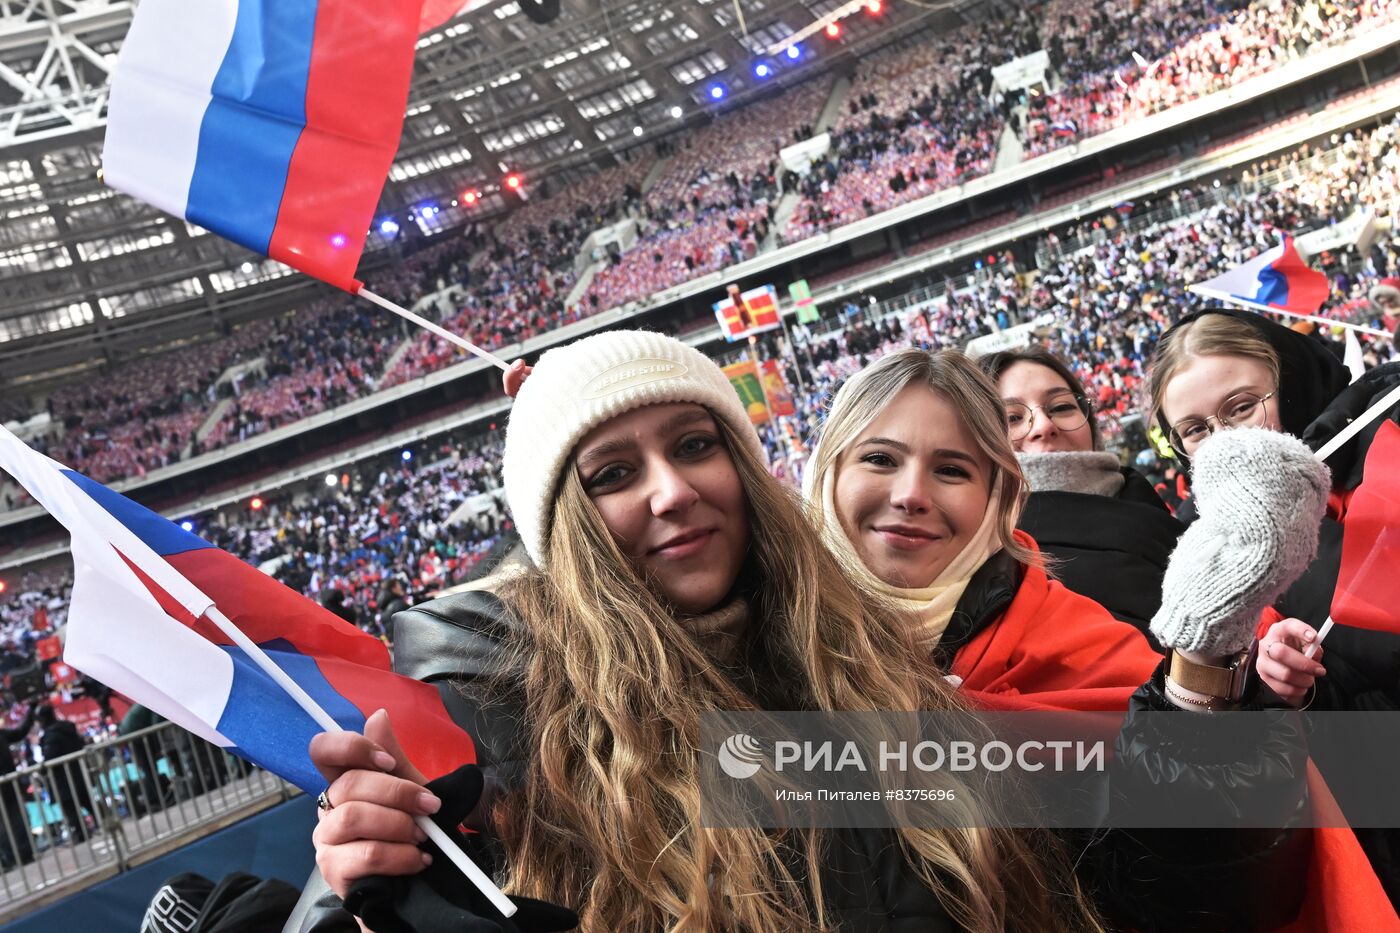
[{"x": 88, "y": 275}]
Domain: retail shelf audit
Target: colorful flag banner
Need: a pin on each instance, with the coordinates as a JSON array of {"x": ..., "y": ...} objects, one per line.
[
  {"x": 142, "y": 587},
  {"x": 272, "y": 123},
  {"x": 1368, "y": 588},
  {"x": 775, "y": 389},
  {"x": 46, "y": 649},
  {"x": 1278, "y": 279},
  {"x": 749, "y": 313},
  {"x": 745, "y": 380},
  {"x": 801, "y": 294}
]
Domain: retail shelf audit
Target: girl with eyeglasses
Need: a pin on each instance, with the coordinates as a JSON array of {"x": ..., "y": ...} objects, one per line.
[
  {"x": 1106, "y": 529},
  {"x": 1220, "y": 369},
  {"x": 917, "y": 490}
]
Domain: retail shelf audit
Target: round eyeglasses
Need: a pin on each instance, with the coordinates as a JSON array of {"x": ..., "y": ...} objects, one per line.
[
  {"x": 1066, "y": 412},
  {"x": 1241, "y": 410}
]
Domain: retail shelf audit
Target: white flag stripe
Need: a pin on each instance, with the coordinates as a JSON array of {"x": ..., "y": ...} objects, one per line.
[
  {"x": 1353, "y": 358},
  {"x": 1242, "y": 280},
  {"x": 77, "y": 512},
  {"x": 118, "y": 634},
  {"x": 160, "y": 92}
]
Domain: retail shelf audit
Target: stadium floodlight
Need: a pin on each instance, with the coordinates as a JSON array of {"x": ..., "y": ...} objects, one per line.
[
  {"x": 833, "y": 30},
  {"x": 717, "y": 92},
  {"x": 874, "y": 7},
  {"x": 514, "y": 181},
  {"x": 762, "y": 70},
  {"x": 794, "y": 51},
  {"x": 187, "y": 525},
  {"x": 677, "y": 112},
  {"x": 470, "y": 197},
  {"x": 389, "y": 226},
  {"x": 256, "y": 503},
  {"x": 407, "y": 455},
  {"x": 637, "y": 131},
  {"x": 331, "y": 479}
]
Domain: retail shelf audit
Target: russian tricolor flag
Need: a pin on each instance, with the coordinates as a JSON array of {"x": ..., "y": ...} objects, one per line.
[
  {"x": 1277, "y": 280},
  {"x": 142, "y": 589},
  {"x": 272, "y": 123}
]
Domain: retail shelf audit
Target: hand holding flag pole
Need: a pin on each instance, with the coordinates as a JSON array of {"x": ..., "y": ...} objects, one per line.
[
  {"x": 1386, "y": 403},
  {"x": 313, "y": 709},
  {"x": 107, "y": 554}
]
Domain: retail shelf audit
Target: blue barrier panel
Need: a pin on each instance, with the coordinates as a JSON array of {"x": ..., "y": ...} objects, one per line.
[{"x": 275, "y": 843}]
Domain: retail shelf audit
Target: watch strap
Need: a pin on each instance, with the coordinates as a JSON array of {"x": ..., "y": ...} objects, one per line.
[{"x": 1203, "y": 678}]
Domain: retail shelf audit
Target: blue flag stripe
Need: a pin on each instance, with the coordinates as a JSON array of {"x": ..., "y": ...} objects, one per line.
[
  {"x": 162, "y": 535},
  {"x": 251, "y": 128},
  {"x": 265, "y": 724}
]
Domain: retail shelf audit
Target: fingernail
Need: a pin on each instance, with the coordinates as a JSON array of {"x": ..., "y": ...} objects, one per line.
[
  {"x": 1322, "y": 672},
  {"x": 428, "y": 803},
  {"x": 1309, "y": 636},
  {"x": 384, "y": 761},
  {"x": 427, "y": 859}
]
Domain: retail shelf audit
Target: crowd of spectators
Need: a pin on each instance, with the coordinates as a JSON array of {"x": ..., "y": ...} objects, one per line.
[
  {"x": 1110, "y": 286},
  {"x": 523, "y": 268},
  {"x": 713, "y": 204},
  {"x": 1122, "y": 60},
  {"x": 423, "y": 522},
  {"x": 918, "y": 119}
]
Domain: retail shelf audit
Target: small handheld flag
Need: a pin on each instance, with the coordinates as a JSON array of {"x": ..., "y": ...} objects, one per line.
[
  {"x": 1275, "y": 280},
  {"x": 272, "y": 123},
  {"x": 752, "y": 312},
  {"x": 801, "y": 294},
  {"x": 1368, "y": 589},
  {"x": 153, "y": 617}
]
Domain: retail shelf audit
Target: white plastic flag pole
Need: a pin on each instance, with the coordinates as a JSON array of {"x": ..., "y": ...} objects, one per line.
[
  {"x": 428, "y": 325},
  {"x": 1321, "y": 634},
  {"x": 1255, "y": 306},
  {"x": 1387, "y": 402},
  {"x": 313, "y": 709}
]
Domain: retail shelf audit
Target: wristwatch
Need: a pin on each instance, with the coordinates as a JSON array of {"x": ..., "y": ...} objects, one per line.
[{"x": 1226, "y": 683}]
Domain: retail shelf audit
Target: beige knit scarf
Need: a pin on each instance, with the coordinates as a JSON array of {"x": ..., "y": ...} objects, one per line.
[{"x": 932, "y": 606}]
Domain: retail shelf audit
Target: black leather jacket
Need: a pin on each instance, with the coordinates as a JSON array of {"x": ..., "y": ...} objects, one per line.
[
  {"x": 1199, "y": 880},
  {"x": 1112, "y": 549}
]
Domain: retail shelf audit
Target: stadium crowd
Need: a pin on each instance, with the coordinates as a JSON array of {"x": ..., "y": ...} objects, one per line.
[
  {"x": 906, "y": 131},
  {"x": 1121, "y": 61},
  {"x": 918, "y": 119}
]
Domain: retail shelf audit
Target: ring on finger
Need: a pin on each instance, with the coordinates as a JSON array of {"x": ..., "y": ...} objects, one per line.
[{"x": 323, "y": 802}]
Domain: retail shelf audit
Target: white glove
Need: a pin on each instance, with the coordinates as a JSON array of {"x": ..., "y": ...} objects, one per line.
[{"x": 1261, "y": 496}]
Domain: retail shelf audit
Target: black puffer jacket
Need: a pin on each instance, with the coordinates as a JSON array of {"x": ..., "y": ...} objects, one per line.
[
  {"x": 1149, "y": 880},
  {"x": 1112, "y": 549}
]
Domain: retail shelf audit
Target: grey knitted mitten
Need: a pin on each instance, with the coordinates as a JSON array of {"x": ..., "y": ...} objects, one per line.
[{"x": 1261, "y": 496}]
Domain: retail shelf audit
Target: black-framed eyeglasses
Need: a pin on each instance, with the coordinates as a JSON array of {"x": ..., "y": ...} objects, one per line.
[
  {"x": 1066, "y": 412},
  {"x": 1241, "y": 410}
]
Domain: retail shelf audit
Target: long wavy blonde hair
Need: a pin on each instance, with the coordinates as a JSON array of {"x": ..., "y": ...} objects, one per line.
[{"x": 614, "y": 685}]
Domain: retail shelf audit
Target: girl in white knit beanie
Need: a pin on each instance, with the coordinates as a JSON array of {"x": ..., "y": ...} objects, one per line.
[{"x": 673, "y": 576}]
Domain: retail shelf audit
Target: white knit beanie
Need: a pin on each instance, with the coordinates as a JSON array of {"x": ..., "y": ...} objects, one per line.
[{"x": 575, "y": 388}]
